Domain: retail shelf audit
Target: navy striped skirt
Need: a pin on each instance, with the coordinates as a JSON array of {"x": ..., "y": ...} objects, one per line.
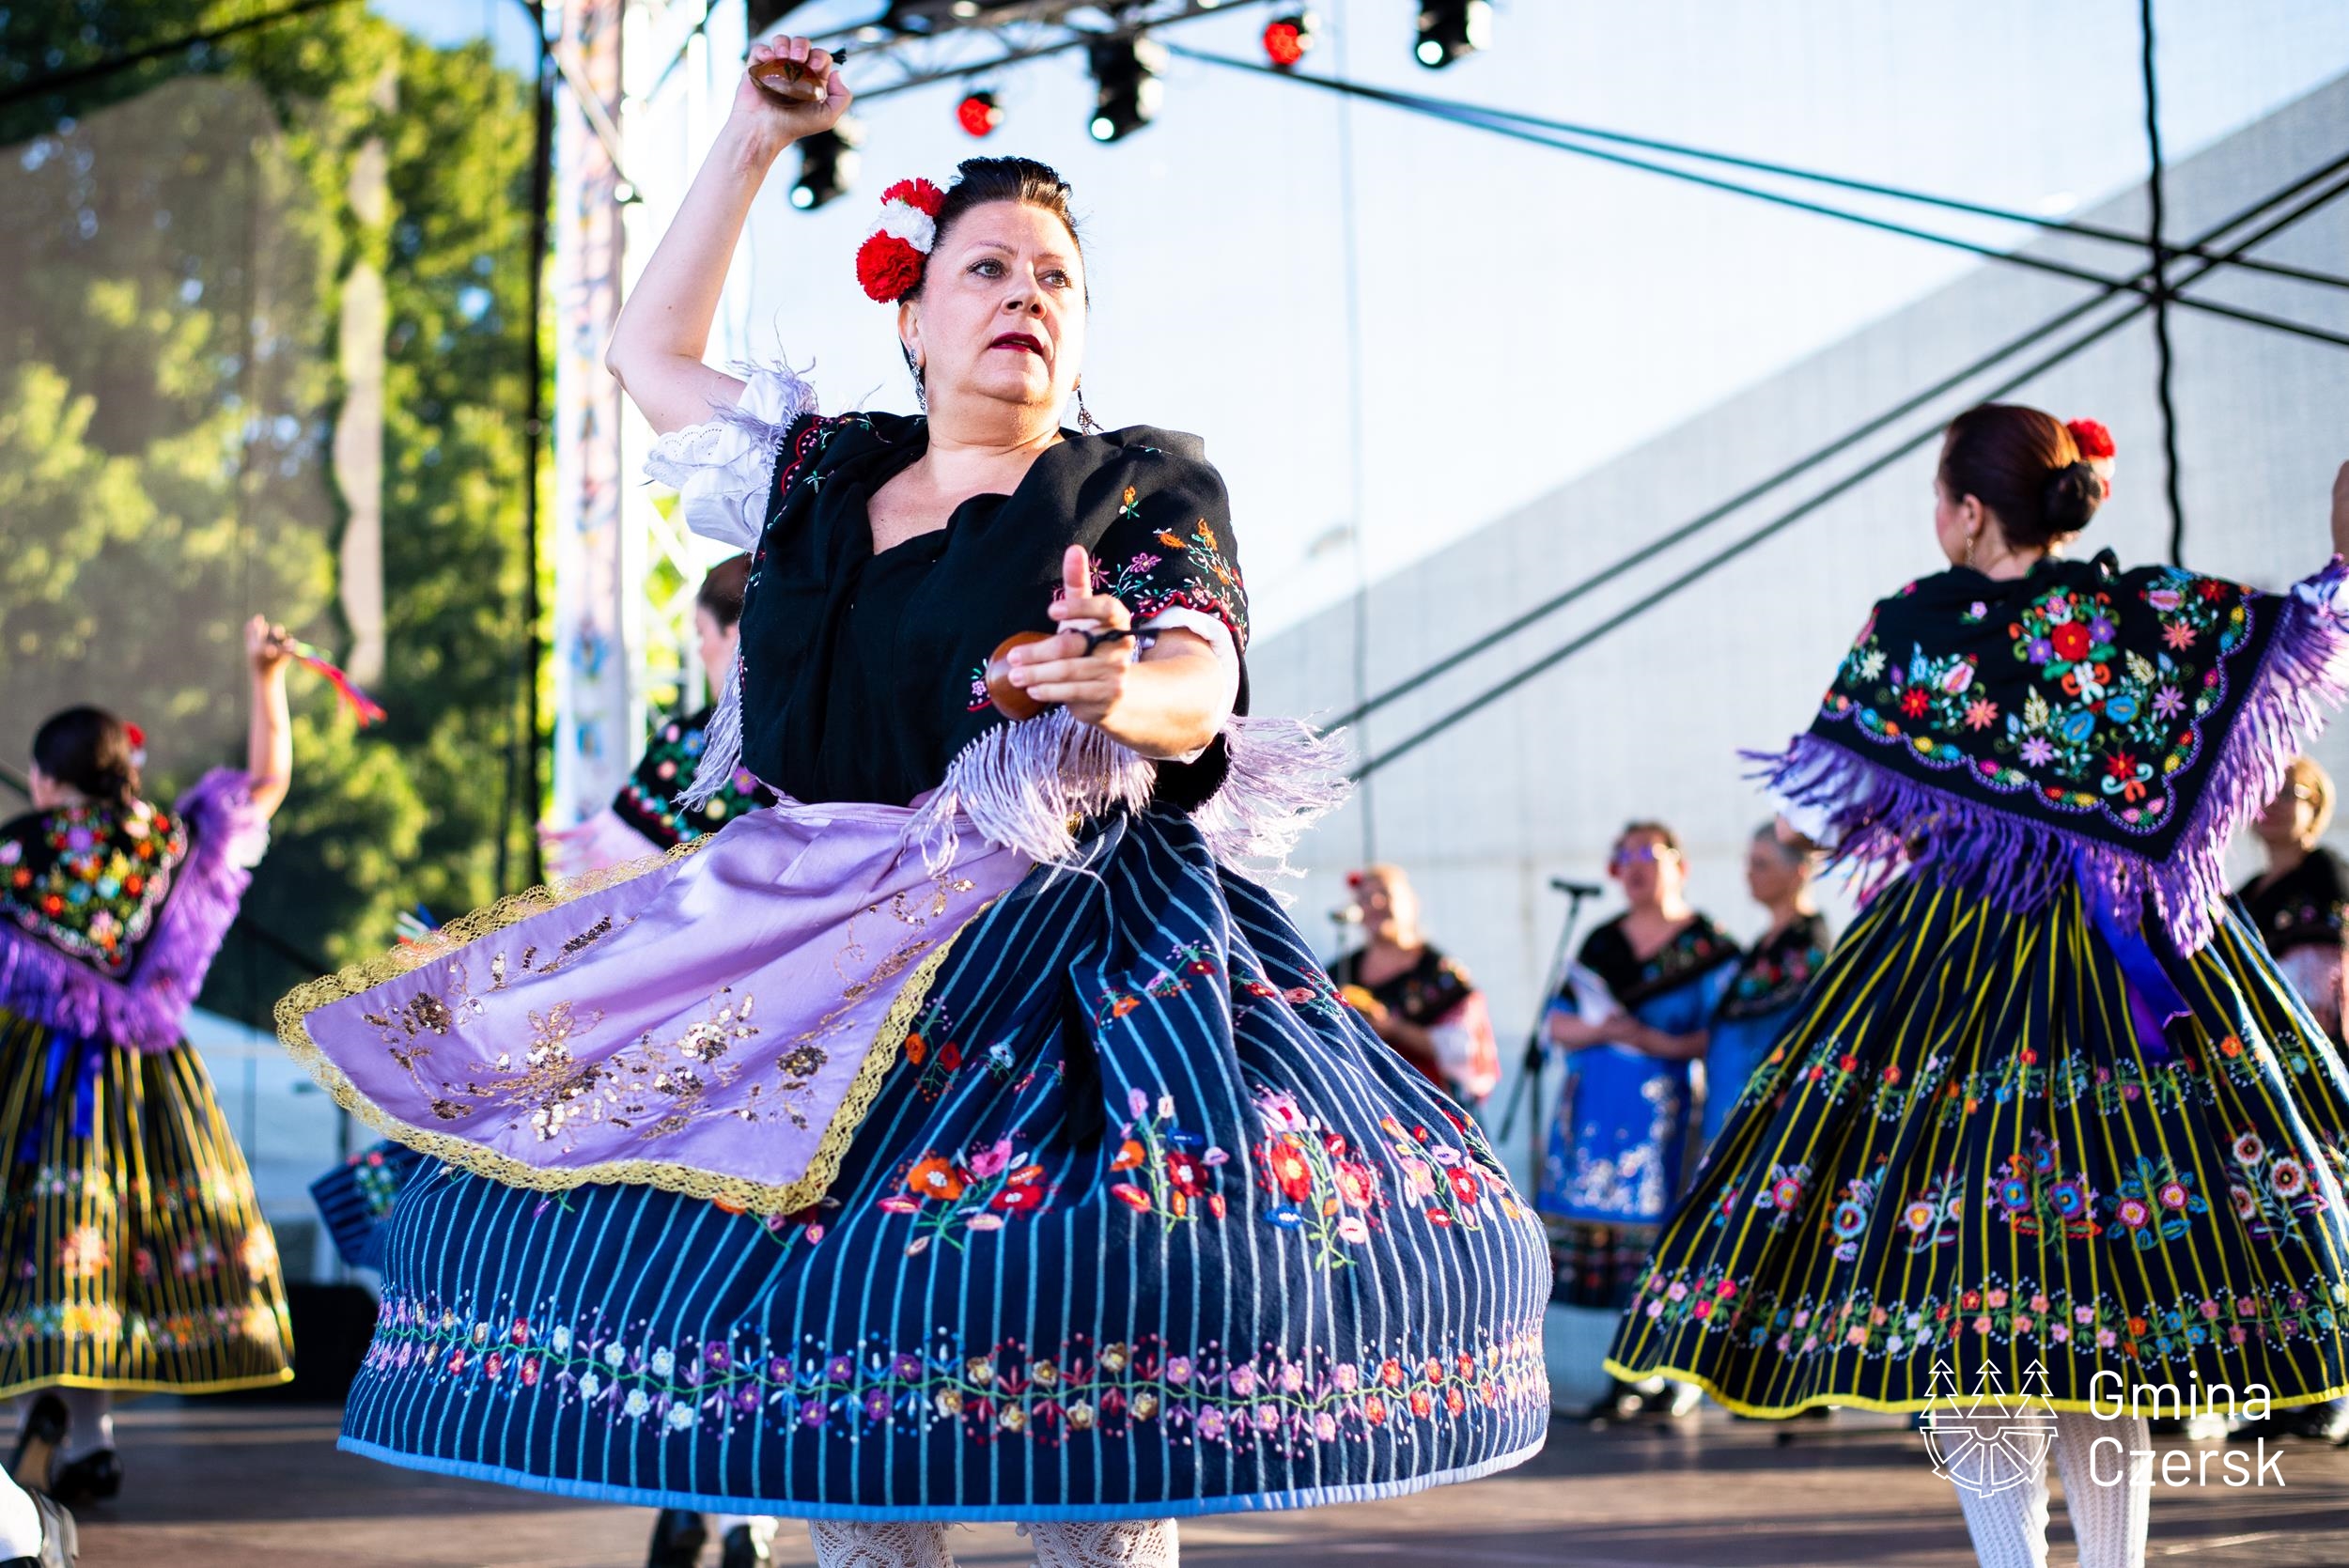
[
  {"x": 1144, "y": 1222},
  {"x": 1966, "y": 1164}
]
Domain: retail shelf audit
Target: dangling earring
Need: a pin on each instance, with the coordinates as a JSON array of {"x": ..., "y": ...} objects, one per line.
[
  {"x": 1971, "y": 539},
  {"x": 1086, "y": 423}
]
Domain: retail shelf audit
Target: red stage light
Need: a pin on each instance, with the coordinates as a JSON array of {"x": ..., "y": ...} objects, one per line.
[
  {"x": 979, "y": 114},
  {"x": 1286, "y": 39}
]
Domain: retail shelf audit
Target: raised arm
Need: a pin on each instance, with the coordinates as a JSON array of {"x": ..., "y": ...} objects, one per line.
[
  {"x": 269, "y": 740},
  {"x": 657, "y": 347}
]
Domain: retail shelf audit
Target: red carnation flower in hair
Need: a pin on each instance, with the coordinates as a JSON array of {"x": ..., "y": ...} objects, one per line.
[
  {"x": 2093, "y": 439},
  {"x": 887, "y": 268},
  {"x": 135, "y": 735},
  {"x": 918, "y": 193}
]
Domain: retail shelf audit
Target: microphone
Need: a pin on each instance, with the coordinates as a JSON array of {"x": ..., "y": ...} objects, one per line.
[
  {"x": 1574, "y": 890},
  {"x": 1349, "y": 915}
]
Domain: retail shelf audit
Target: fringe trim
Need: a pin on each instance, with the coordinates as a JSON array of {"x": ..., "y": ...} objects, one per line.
[
  {"x": 146, "y": 1010},
  {"x": 1028, "y": 786},
  {"x": 721, "y": 744},
  {"x": 1285, "y": 776},
  {"x": 880, "y": 1054},
  {"x": 1883, "y": 821}
]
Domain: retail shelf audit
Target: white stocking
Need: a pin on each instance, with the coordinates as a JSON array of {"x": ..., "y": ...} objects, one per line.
[
  {"x": 2008, "y": 1525},
  {"x": 862, "y": 1543},
  {"x": 1106, "y": 1543},
  {"x": 2108, "y": 1520}
]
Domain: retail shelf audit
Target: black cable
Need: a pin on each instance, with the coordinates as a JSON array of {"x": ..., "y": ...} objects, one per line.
[
  {"x": 1697, "y": 524},
  {"x": 1786, "y": 520},
  {"x": 2164, "y": 359},
  {"x": 58, "y": 81},
  {"x": 1446, "y": 108},
  {"x": 533, "y": 435},
  {"x": 1438, "y": 109}
]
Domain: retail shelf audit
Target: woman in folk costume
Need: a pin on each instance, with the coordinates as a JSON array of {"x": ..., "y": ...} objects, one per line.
[
  {"x": 958, "y": 1139},
  {"x": 1631, "y": 1020},
  {"x": 2299, "y": 903},
  {"x": 137, "y": 1257},
  {"x": 1771, "y": 975},
  {"x": 649, "y": 813},
  {"x": 2049, "y": 1120},
  {"x": 1416, "y": 997}
]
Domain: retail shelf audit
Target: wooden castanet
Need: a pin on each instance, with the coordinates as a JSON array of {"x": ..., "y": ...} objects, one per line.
[
  {"x": 789, "y": 79},
  {"x": 1010, "y": 701}
]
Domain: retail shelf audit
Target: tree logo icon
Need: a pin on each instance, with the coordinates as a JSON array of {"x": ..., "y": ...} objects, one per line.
[{"x": 1998, "y": 1440}]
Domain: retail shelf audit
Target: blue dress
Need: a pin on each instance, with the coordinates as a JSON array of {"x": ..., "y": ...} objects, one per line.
[
  {"x": 1763, "y": 994},
  {"x": 1142, "y": 1221},
  {"x": 1618, "y": 1144}
]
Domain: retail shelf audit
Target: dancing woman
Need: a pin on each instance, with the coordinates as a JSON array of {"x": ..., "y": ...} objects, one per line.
[
  {"x": 959, "y": 1139},
  {"x": 649, "y": 813},
  {"x": 137, "y": 1257},
  {"x": 2050, "y": 1116}
]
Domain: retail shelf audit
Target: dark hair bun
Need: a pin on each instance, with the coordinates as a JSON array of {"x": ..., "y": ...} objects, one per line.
[{"x": 2074, "y": 493}]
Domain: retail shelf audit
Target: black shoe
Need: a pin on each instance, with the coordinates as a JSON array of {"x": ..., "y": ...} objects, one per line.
[
  {"x": 36, "y": 1443},
  {"x": 93, "y": 1477},
  {"x": 678, "y": 1536},
  {"x": 743, "y": 1549}
]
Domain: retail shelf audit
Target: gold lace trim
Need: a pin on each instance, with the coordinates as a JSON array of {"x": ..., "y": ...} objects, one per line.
[{"x": 733, "y": 1191}]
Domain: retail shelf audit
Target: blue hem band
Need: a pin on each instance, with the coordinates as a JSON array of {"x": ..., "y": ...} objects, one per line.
[{"x": 710, "y": 1502}]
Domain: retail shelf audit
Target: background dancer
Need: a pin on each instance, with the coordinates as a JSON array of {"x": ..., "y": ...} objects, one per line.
[
  {"x": 650, "y": 813},
  {"x": 1632, "y": 1018},
  {"x": 2050, "y": 1103},
  {"x": 137, "y": 1257},
  {"x": 1418, "y": 998},
  {"x": 1770, "y": 976},
  {"x": 957, "y": 1138}
]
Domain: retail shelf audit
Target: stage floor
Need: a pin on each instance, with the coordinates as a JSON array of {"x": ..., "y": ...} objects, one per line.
[{"x": 238, "y": 1487}]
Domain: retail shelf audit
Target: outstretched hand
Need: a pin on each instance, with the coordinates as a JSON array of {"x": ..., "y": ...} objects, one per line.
[
  {"x": 267, "y": 646},
  {"x": 1059, "y": 669},
  {"x": 781, "y": 116}
]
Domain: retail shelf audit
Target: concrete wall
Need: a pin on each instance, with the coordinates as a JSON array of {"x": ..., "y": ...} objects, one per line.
[{"x": 1647, "y": 723}]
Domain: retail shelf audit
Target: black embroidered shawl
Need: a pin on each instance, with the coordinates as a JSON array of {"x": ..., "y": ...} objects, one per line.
[
  {"x": 1700, "y": 948},
  {"x": 1776, "y": 970},
  {"x": 2080, "y": 722},
  {"x": 862, "y": 672},
  {"x": 651, "y": 802}
]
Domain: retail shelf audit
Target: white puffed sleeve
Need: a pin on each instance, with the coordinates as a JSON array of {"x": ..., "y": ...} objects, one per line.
[{"x": 721, "y": 468}]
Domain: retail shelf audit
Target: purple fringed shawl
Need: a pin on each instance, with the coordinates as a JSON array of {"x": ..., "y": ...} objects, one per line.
[
  {"x": 2079, "y": 723},
  {"x": 146, "y": 1009}
]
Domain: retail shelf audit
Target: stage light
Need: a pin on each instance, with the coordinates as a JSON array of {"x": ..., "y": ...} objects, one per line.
[
  {"x": 978, "y": 113},
  {"x": 828, "y": 164},
  {"x": 1450, "y": 28},
  {"x": 1286, "y": 38},
  {"x": 1127, "y": 87}
]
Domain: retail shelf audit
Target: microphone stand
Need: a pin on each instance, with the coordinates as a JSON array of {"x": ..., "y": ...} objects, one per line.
[{"x": 1537, "y": 1038}]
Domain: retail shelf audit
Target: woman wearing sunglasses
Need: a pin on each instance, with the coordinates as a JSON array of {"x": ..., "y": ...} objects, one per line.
[{"x": 1632, "y": 1020}]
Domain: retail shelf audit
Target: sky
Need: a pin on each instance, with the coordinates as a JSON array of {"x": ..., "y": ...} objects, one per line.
[{"x": 1513, "y": 317}]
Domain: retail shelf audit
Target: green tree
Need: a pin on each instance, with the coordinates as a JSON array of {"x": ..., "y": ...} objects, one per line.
[{"x": 176, "y": 242}]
